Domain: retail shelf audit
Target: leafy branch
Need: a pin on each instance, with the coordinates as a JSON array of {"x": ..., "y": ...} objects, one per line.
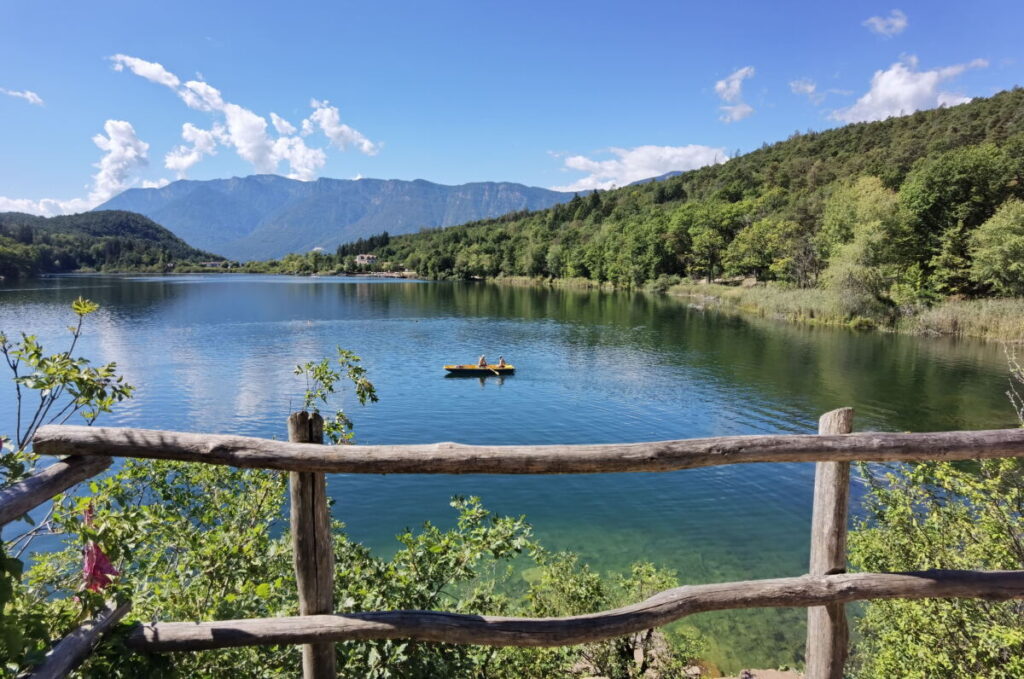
[
  {"x": 63, "y": 386},
  {"x": 322, "y": 378}
]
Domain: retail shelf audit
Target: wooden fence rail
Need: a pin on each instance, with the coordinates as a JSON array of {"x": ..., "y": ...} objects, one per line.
[
  {"x": 660, "y": 609},
  {"x": 73, "y": 649},
  {"x": 454, "y": 458},
  {"x": 20, "y": 498},
  {"x": 824, "y": 591}
]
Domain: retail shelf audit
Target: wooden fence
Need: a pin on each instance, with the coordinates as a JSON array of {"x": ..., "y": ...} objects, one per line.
[{"x": 823, "y": 591}]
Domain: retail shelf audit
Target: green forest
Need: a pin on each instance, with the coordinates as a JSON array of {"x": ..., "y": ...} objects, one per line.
[
  {"x": 885, "y": 217},
  {"x": 105, "y": 240}
]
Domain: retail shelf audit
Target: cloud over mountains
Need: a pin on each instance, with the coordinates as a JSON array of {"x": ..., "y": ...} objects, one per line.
[
  {"x": 265, "y": 146},
  {"x": 642, "y": 162},
  {"x": 247, "y": 132}
]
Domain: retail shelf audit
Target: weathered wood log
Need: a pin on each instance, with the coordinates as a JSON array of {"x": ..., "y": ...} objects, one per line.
[
  {"x": 656, "y": 611},
  {"x": 311, "y": 544},
  {"x": 69, "y": 652},
  {"x": 453, "y": 458},
  {"x": 20, "y": 498},
  {"x": 827, "y": 633}
]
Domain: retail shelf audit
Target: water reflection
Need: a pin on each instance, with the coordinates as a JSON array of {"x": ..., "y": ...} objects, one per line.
[
  {"x": 216, "y": 353},
  {"x": 483, "y": 380}
]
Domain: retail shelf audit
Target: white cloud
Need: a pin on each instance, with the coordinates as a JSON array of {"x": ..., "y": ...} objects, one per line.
[
  {"x": 246, "y": 131},
  {"x": 735, "y": 112},
  {"x": 28, "y": 95},
  {"x": 281, "y": 125},
  {"x": 894, "y": 24},
  {"x": 46, "y": 207},
  {"x": 641, "y": 162},
  {"x": 730, "y": 89},
  {"x": 241, "y": 129},
  {"x": 196, "y": 94},
  {"x": 123, "y": 153},
  {"x": 803, "y": 86},
  {"x": 202, "y": 143},
  {"x": 902, "y": 89},
  {"x": 341, "y": 135},
  {"x": 156, "y": 184},
  {"x": 201, "y": 96},
  {"x": 149, "y": 70},
  {"x": 305, "y": 162},
  {"x": 808, "y": 88}
]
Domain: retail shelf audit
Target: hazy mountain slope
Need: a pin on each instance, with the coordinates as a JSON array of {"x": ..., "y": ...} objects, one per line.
[{"x": 265, "y": 216}]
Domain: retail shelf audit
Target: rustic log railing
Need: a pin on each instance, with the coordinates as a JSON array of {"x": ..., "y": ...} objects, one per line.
[
  {"x": 69, "y": 652},
  {"x": 455, "y": 458},
  {"x": 824, "y": 591},
  {"x": 20, "y": 498}
]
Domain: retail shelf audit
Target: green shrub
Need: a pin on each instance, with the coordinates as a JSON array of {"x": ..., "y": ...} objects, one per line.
[{"x": 862, "y": 323}]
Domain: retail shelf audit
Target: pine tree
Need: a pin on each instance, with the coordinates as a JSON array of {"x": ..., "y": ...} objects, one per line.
[{"x": 951, "y": 267}]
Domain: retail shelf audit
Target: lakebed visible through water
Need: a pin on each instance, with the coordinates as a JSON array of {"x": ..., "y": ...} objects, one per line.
[{"x": 215, "y": 353}]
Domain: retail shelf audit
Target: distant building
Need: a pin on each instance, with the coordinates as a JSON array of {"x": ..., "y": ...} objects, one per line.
[{"x": 363, "y": 260}]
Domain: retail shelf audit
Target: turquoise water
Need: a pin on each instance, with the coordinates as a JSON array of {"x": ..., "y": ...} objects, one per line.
[{"x": 216, "y": 353}]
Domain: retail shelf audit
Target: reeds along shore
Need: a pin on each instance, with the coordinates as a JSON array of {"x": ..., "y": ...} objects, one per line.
[
  {"x": 1000, "y": 320},
  {"x": 991, "y": 319}
]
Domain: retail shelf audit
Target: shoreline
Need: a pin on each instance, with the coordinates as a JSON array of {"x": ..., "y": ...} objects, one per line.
[
  {"x": 398, "y": 275},
  {"x": 994, "y": 319}
]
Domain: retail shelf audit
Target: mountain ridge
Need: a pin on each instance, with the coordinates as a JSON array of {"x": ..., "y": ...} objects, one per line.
[{"x": 268, "y": 216}]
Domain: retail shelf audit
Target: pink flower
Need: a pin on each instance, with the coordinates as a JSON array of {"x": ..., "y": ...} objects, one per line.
[{"x": 96, "y": 567}]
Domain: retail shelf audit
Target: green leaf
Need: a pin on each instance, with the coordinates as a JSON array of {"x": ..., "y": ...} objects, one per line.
[{"x": 82, "y": 306}]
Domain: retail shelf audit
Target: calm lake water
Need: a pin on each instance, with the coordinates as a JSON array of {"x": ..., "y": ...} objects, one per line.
[{"x": 215, "y": 354}]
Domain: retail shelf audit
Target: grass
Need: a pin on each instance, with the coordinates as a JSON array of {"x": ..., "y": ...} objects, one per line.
[
  {"x": 990, "y": 319},
  {"x": 1000, "y": 320},
  {"x": 804, "y": 305},
  {"x": 566, "y": 283}
]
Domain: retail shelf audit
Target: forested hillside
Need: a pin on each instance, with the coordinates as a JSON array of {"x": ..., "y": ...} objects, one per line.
[
  {"x": 109, "y": 240},
  {"x": 883, "y": 214}
]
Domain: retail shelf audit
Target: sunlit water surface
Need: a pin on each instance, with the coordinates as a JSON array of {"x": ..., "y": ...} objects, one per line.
[{"x": 215, "y": 354}]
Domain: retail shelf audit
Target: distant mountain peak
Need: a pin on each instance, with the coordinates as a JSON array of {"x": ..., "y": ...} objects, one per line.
[{"x": 267, "y": 216}]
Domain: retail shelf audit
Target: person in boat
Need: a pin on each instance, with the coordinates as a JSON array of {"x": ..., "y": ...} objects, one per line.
[
  {"x": 501, "y": 362},
  {"x": 482, "y": 363}
]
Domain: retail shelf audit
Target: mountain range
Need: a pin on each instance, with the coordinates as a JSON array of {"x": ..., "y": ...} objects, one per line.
[{"x": 268, "y": 216}]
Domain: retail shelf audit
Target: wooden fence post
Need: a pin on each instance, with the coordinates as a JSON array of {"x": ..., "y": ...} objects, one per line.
[
  {"x": 312, "y": 544},
  {"x": 827, "y": 632}
]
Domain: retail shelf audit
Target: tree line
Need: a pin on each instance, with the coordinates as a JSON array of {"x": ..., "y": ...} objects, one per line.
[
  {"x": 902, "y": 211},
  {"x": 106, "y": 240}
]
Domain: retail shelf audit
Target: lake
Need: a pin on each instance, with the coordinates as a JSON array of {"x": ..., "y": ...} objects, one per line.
[{"x": 215, "y": 353}]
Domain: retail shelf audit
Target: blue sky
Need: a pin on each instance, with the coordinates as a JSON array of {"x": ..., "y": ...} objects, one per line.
[{"x": 94, "y": 96}]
